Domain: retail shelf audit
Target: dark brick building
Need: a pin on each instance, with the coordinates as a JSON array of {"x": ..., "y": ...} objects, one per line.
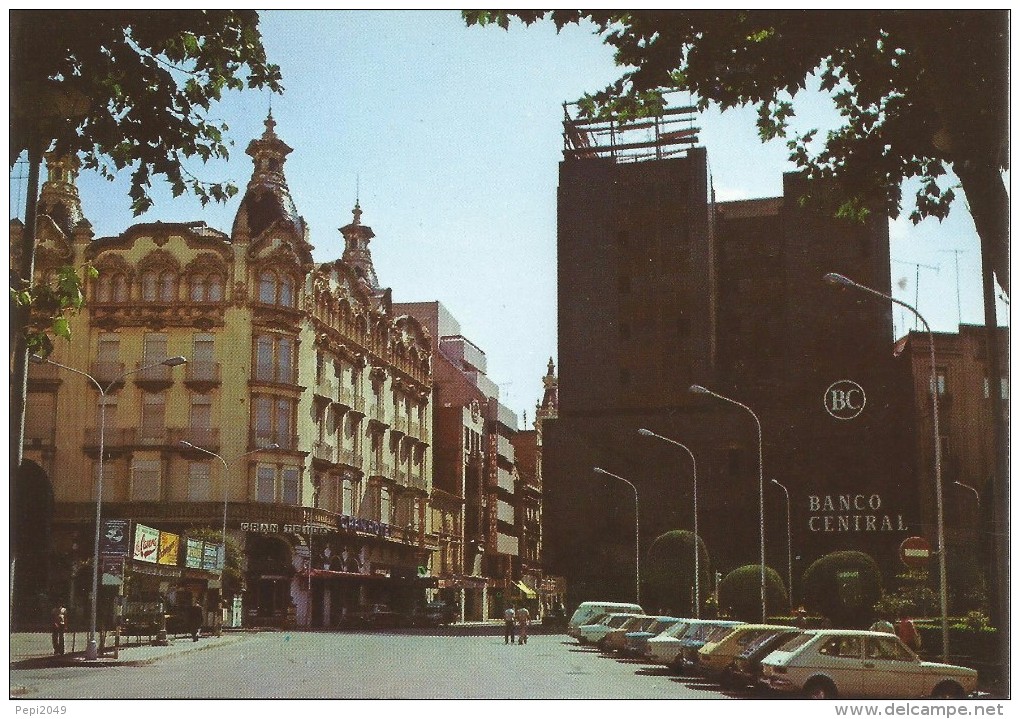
[{"x": 661, "y": 287}]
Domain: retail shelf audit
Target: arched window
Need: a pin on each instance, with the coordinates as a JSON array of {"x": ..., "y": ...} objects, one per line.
[
  {"x": 215, "y": 288},
  {"x": 287, "y": 291},
  {"x": 167, "y": 287},
  {"x": 198, "y": 288},
  {"x": 149, "y": 286},
  {"x": 104, "y": 288},
  {"x": 267, "y": 288},
  {"x": 120, "y": 288}
]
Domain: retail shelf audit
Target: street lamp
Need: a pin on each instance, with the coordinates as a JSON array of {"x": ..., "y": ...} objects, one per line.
[
  {"x": 637, "y": 535},
  {"x": 834, "y": 278},
  {"x": 977, "y": 497},
  {"x": 789, "y": 541},
  {"x": 698, "y": 389},
  {"x": 92, "y": 649},
  {"x": 226, "y": 469},
  {"x": 697, "y": 567}
]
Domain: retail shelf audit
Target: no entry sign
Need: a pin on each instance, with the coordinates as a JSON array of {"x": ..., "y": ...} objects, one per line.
[{"x": 915, "y": 552}]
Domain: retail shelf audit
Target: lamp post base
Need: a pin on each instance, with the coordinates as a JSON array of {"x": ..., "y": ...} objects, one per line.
[{"x": 91, "y": 650}]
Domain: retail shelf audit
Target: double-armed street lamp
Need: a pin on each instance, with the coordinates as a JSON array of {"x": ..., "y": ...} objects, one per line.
[
  {"x": 698, "y": 389},
  {"x": 834, "y": 278},
  {"x": 226, "y": 470},
  {"x": 789, "y": 541},
  {"x": 92, "y": 648},
  {"x": 697, "y": 566},
  {"x": 637, "y": 535}
]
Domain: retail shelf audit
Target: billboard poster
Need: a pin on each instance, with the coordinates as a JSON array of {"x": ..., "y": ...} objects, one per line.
[
  {"x": 115, "y": 537},
  {"x": 146, "y": 544},
  {"x": 210, "y": 553},
  {"x": 169, "y": 548},
  {"x": 193, "y": 554},
  {"x": 113, "y": 571}
]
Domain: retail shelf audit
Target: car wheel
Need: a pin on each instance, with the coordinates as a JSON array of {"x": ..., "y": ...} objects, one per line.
[
  {"x": 948, "y": 690},
  {"x": 819, "y": 689}
]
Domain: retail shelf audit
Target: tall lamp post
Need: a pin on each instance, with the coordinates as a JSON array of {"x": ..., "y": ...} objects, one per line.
[
  {"x": 789, "y": 540},
  {"x": 977, "y": 497},
  {"x": 637, "y": 535},
  {"x": 226, "y": 469},
  {"x": 92, "y": 649},
  {"x": 698, "y": 389},
  {"x": 837, "y": 279},
  {"x": 697, "y": 566}
]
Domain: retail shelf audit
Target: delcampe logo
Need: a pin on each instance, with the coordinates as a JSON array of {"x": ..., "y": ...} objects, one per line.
[{"x": 844, "y": 399}]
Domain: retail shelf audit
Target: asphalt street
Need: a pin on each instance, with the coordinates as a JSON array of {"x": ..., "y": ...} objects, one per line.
[{"x": 328, "y": 665}]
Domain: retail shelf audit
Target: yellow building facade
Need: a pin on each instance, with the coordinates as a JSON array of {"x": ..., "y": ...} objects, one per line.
[{"x": 300, "y": 421}]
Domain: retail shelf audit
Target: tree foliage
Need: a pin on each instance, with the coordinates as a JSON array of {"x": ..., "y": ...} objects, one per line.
[
  {"x": 133, "y": 89},
  {"x": 51, "y": 304},
  {"x": 740, "y": 593},
  {"x": 668, "y": 571},
  {"x": 919, "y": 93},
  {"x": 843, "y": 586}
]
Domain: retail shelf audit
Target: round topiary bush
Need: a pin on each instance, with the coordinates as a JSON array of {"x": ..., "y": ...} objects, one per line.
[
  {"x": 740, "y": 593},
  {"x": 843, "y": 586},
  {"x": 668, "y": 573}
]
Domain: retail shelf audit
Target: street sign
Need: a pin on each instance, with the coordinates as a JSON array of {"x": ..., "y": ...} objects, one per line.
[{"x": 915, "y": 552}]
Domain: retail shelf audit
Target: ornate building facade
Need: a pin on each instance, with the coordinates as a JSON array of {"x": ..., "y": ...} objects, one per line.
[{"x": 301, "y": 420}]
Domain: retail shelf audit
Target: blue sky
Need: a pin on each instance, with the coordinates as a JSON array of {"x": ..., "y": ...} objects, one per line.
[{"x": 452, "y": 137}]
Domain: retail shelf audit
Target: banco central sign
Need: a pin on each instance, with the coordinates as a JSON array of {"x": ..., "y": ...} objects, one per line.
[{"x": 844, "y": 399}]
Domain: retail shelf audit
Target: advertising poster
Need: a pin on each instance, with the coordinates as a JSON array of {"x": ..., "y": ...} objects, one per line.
[
  {"x": 113, "y": 571},
  {"x": 146, "y": 544},
  {"x": 169, "y": 548},
  {"x": 210, "y": 552},
  {"x": 193, "y": 554},
  {"x": 115, "y": 537}
]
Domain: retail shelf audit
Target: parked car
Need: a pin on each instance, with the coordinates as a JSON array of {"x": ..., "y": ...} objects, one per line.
[
  {"x": 664, "y": 648},
  {"x": 375, "y": 616},
  {"x": 695, "y": 638},
  {"x": 586, "y": 613},
  {"x": 718, "y": 653},
  {"x": 638, "y": 641},
  {"x": 592, "y": 633},
  {"x": 827, "y": 663},
  {"x": 436, "y": 614},
  {"x": 616, "y": 640},
  {"x": 746, "y": 669}
]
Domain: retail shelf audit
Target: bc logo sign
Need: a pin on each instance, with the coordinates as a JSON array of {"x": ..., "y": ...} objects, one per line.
[{"x": 844, "y": 399}]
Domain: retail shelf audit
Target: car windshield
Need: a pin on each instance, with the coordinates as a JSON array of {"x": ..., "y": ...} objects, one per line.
[
  {"x": 760, "y": 640},
  {"x": 662, "y": 625},
  {"x": 617, "y": 619},
  {"x": 795, "y": 642},
  {"x": 632, "y": 624},
  {"x": 717, "y": 634},
  {"x": 677, "y": 630},
  {"x": 598, "y": 619}
]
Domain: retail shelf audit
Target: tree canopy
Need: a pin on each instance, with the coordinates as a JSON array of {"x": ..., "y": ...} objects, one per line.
[
  {"x": 133, "y": 89},
  {"x": 919, "y": 93}
]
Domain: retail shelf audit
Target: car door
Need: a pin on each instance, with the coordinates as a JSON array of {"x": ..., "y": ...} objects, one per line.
[
  {"x": 890, "y": 670},
  {"x": 839, "y": 657}
]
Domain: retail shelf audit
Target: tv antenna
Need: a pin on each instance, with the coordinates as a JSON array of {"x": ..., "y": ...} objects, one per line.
[
  {"x": 917, "y": 280},
  {"x": 956, "y": 259}
]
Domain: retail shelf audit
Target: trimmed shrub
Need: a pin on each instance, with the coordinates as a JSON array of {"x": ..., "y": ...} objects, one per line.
[
  {"x": 740, "y": 593},
  {"x": 668, "y": 573},
  {"x": 844, "y": 587}
]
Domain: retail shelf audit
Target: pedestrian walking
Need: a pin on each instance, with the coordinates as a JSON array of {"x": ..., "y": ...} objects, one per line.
[
  {"x": 508, "y": 625},
  {"x": 59, "y": 627},
  {"x": 195, "y": 619},
  {"x": 523, "y": 617}
]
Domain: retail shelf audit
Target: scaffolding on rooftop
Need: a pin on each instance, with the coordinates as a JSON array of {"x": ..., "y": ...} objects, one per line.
[{"x": 670, "y": 134}]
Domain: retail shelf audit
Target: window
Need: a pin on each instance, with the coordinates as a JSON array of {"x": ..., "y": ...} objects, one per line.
[
  {"x": 291, "y": 485},
  {"x": 385, "y": 505},
  {"x": 848, "y": 647},
  {"x": 273, "y": 420},
  {"x": 206, "y": 288},
  {"x": 888, "y": 648},
  {"x": 265, "y": 484},
  {"x": 145, "y": 480},
  {"x": 199, "y": 485},
  {"x": 267, "y": 288},
  {"x": 274, "y": 359},
  {"x": 149, "y": 286},
  {"x": 274, "y": 290},
  {"x": 201, "y": 417},
  {"x": 154, "y": 348},
  {"x": 153, "y": 416},
  {"x": 167, "y": 286},
  {"x": 108, "y": 354},
  {"x": 40, "y": 416},
  {"x": 348, "y": 498},
  {"x": 109, "y": 402},
  {"x": 940, "y": 382}
]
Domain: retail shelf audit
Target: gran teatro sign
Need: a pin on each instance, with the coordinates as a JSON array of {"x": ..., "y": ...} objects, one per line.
[{"x": 851, "y": 513}]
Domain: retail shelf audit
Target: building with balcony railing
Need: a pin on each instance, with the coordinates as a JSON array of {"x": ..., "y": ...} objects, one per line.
[{"x": 282, "y": 352}]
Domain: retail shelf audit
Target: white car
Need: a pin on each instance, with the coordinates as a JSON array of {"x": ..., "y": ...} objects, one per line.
[
  {"x": 665, "y": 648},
  {"x": 827, "y": 663},
  {"x": 592, "y": 633}
]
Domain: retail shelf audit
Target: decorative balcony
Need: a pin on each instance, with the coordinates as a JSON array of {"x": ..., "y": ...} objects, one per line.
[
  {"x": 115, "y": 440},
  {"x": 416, "y": 480},
  {"x": 414, "y": 429},
  {"x": 351, "y": 401},
  {"x": 324, "y": 452},
  {"x": 202, "y": 376},
  {"x": 377, "y": 413},
  {"x": 380, "y": 470},
  {"x": 204, "y": 437},
  {"x": 350, "y": 458},
  {"x": 153, "y": 378},
  {"x": 325, "y": 387},
  {"x": 109, "y": 373},
  {"x": 400, "y": 425},
  {"x": 282, "y": 440}
]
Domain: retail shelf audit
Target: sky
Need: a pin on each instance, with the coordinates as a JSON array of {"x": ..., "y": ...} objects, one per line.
[{"x": 450, "y": 138}]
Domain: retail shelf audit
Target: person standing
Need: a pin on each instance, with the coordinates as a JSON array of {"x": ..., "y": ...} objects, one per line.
[
  {"x": 523, "y": 617},
  {"x": 59, "y": 627},
  {"x": 906, "y": 631},
  {"x": 195, "y": 619},
  {"x": 508, "y": 625}
]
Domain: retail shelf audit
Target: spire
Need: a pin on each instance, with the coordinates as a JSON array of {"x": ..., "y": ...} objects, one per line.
[
  {"x": 59, "y": 198},
  {"x": 267, "y": 198},
  {"x": 356, "y": 252},
  {"x": 550, "y": 400}
]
